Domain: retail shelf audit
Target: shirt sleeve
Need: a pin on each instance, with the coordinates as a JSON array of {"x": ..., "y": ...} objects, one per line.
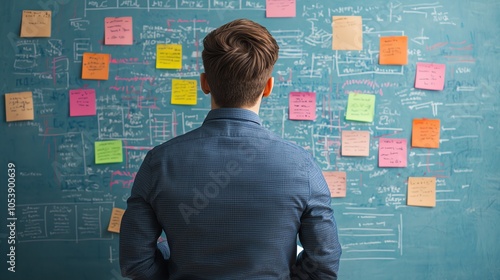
[
  {"x": 318, "y": 233},
  {"x": 140, "y": 257}
]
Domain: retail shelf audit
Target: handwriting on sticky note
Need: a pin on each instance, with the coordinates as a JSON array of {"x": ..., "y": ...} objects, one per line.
[
  {"x": 347, "y": 33},
  {"x": 19, "y": 106},
  {"x": 280, "y": 8},
  {"x": 392, "y": 152},
  {"x": 95, "y": 66},
  {"x": 360, "y": 107},
  {"x": 355, "y": 143},
  {"x": 115, "y": 220},
  {"x": 421, "y": 191},
  {"x": 184, "y": 92},
  {"x": 393, "y": 50},
  {"x": 108, "y": 151},
  {"x": 36, "y": 23},
  {"x": 337, "y": 183},
  {"x": 118, "y": 31},
  {"x": 425, "y": 133},
  {"x": 82, "y": 102},
  {"x": 302, "y": 106},
  {"x": 430, "y": 76},
  {"x": 168, "y": 56}
]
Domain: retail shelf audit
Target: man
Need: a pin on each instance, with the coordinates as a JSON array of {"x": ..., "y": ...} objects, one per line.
[{"x": 230, "y": 195}]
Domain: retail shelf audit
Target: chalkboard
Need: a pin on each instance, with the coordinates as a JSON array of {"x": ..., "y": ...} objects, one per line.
[{"x": 63, "y": 199}]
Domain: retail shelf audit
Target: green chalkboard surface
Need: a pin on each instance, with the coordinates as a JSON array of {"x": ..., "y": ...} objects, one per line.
[{"x": 56, "y": 202}]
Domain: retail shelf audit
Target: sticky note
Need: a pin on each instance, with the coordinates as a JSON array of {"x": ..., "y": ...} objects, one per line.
[
  {"x": 392, "y": 152},
  {"x": 347, "y": 33},
  {"x": 184, "y": 92},
  {"x": 337, "y": 183},
  {"x": 82, "y": 102},
  {"x": 95, "y": 66},
  {"x": 118, "y": 31},
  {"x": 108, "y": 151},
  {"x": 302, "y": 106},
  {"x": 36, "y": 23},
  {"x": 425, "y": 133},
  {"x": 430, "y": 76},
  {"x": 116, "y": 219},
  {"x": 168, "y": 56},
  {"x": 393, "y": 50},
  {"x": 355, "y": 143},
  {"x": 421, "y": 191},
  {"x": 280, "y": 8},
  {"x": 360, "y": 107},
  {"x": 19, "y": 106}
]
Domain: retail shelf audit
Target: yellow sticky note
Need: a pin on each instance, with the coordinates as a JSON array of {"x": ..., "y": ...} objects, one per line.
[
  {"x": 108, "y": 151},
  {"x": 421, "y": 191},
  {"x": 116, "y": 220},
  {"x": 360, "y": 107},
  {"x": 36, "y": 23},
  {"x": 19, "y": 106},
  {"x": 347, "y": 33},
  {"x": 95, "y": 66},
  {"x": 184, "y": 92},
  {"x": 168, "y": 56}
]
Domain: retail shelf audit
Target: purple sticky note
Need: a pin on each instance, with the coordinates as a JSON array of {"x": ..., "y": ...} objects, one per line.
[
  {"x": 430, "y": 76},
  {"x": 392, "y": 152},
  {"x": 82, "y": 102},
  {"x": 302, "y": 106},
  {"x": 280, "y": 8}
]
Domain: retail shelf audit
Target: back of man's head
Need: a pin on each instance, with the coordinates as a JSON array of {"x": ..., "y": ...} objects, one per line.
[{"x": 238, "y": 58}]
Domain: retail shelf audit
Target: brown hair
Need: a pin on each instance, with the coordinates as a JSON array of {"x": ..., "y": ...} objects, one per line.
[{"x": 238, "y": 58}]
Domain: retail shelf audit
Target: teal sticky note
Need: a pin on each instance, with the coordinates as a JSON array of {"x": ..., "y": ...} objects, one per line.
[
  {"x": 108, "y": 151},
  {"x": 360, "y": 107}
]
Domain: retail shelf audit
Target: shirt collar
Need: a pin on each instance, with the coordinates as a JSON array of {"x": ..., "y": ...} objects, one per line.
[{"x": 233, "y": 113}]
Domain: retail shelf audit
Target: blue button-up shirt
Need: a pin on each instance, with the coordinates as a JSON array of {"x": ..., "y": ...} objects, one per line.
[{"x": 231, "y": 197}]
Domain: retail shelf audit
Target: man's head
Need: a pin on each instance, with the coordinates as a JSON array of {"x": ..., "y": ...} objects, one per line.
[{"x": 238, "y": 58}]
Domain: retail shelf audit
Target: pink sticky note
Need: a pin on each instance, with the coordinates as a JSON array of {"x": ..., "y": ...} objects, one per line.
[
  {"x": 118, "y": 31},
  {"x": 392, "y": 152},
  {"x": 302, "y": 106},
  {"x": 430, "y": 76},
  {"x": 280, "y": 8},
  {"x": 82, "y": 102},
  {"x": 336, "y": 181}
]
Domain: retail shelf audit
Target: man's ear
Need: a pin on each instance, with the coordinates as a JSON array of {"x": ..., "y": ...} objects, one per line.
[
  {"x": 269, "y": 87},
  {"x": 204, "y": 84}
]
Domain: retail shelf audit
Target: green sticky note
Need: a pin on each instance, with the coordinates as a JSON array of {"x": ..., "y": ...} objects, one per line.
[
  {"x": 360, "y": 107},
  {"x": 108, "y": 151}
]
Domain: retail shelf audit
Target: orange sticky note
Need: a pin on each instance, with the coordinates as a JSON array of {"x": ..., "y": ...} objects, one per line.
[
  {"x": 19, "y": 106},
  {"x": 393, "y": 50},
  {"x": 355, "y": 143},
  {"x": 421, "y": 191},
  {"x": 336, "y": 181},
  {"x": 116, "y": 220},
  {"x": 95, "y": 66},
  {"x": 347, "y": 33},
  {"x": 425, "y": 133}
]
